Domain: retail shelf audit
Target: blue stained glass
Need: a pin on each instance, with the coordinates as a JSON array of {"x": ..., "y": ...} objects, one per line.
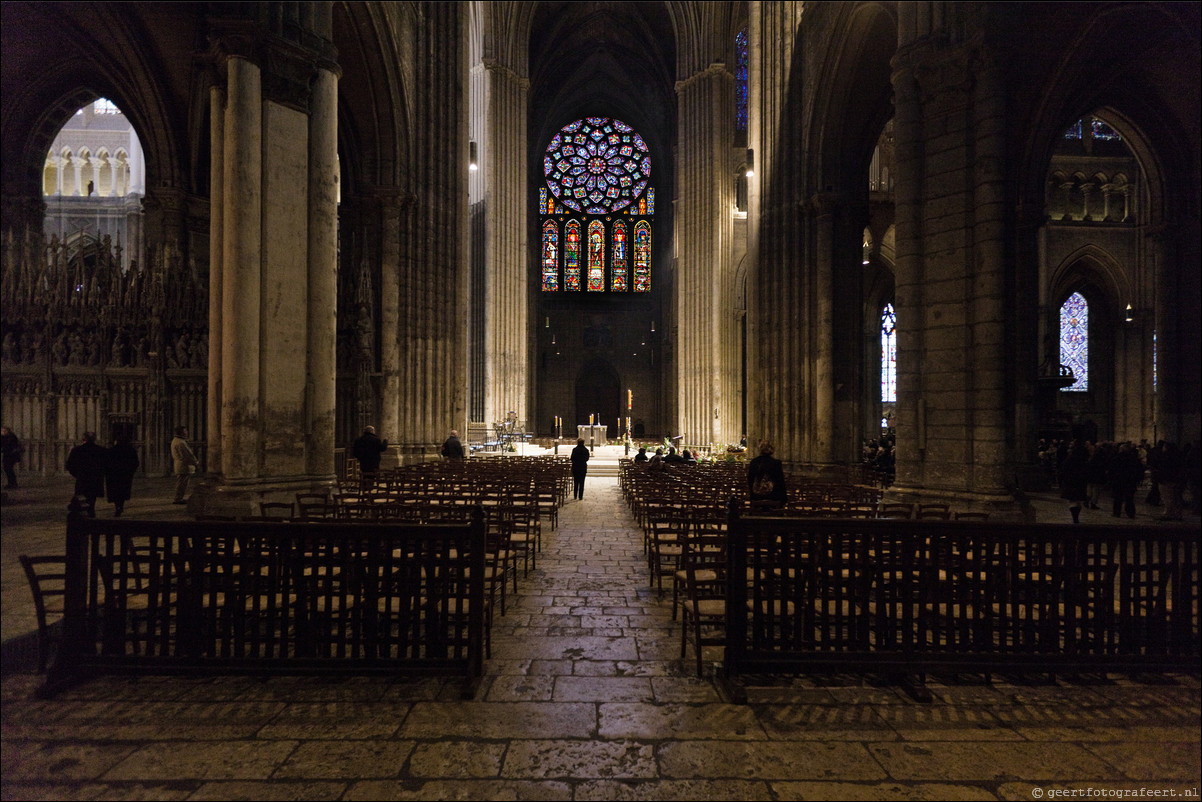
[
  {"x": 608, "y": 170},
  {"x": 596, "y": 166},
  {"x": 741, "y": 80},
  {"x": 1074, "y": 340},
  {"x": 888, "y": 354}
]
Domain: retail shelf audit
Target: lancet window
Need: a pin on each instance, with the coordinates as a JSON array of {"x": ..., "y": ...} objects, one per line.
[
  {"x": 741, "y": 80},
  {"x": 1074, "y": 340},
  {"x": 888, "y": 354}
]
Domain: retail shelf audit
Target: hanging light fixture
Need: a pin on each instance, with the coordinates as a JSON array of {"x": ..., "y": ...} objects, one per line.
[
  {"x": 1130, "y": 314},
  {"x": 750, "y": 163},
  {"x": 472, "y": 164}
]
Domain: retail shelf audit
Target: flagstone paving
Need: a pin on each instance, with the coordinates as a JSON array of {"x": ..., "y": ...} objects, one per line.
[{"x": 585, "y": 698}]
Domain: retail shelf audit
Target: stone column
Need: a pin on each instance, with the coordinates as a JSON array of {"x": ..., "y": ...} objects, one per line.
[
  {"x": 908, "y": 271},
  {"x": 321, "y": 321},
  {"x": 703, "y": 237},
  {"x": 823, "y": 325},
  {"x": 389, "y": 425},
  {"x": 1086, "y": 196},
  {"x": 776, "y": 321},
  {"x": 1067, "y": 186},
  {"x": 989, "y": 394},
  {"x": 240, "y": 266},
  {"x": 433, "y": 280},
  {"x": 502, "y": 159},
  {"x": 216, "y": 276}
]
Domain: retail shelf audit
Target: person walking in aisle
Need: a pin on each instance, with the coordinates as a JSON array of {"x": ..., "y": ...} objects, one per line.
[
  {"x": 184, "y": 463},
  {"x": 580, "y": 457},
  {"x": 119, "y": 473},
  {"x": 86, "y": 463}
]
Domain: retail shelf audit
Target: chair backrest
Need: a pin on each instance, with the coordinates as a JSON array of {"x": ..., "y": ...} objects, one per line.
[
  {"x": 276, "y": 510},
  {"x": 903, "y": 510},
  {"x": 47, "y": 575}
]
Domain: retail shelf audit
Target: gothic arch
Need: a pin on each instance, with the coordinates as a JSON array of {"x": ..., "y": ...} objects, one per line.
[
  {"x": 849, "y": 116},
  {"x": 375, "y": 137},
  {"x": 598, "y": 391},
  {"x": 1113, "y": 65},
  {"x": 1094, "y": 266},
  {"x": 857, "y": 42}
]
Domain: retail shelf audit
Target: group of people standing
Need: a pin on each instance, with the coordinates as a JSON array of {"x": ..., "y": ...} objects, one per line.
[
  {"x": 106, "y": 472},
  {"x": 1086, "y": 468},
  {"x": 109, "y": 472}
]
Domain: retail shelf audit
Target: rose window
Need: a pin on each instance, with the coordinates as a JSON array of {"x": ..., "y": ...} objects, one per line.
[{"x": 597, "y": 165}]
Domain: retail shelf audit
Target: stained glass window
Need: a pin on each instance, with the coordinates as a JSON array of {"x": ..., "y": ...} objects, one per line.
[
  {"x": 596, "y": 256},
  {"x": 617, "y": 267},
  {"x": 571, "y": 256},
  {"x": 600, "y": 168},
  {"x": 597, "y": 165},
  {"x": 550, "y": 256},
  {"x": 642, "y": 256},
  {"x": 888, "y": 354},
  {"x": 741, "y": 80},
  {"x": 1074, "y": 340}
]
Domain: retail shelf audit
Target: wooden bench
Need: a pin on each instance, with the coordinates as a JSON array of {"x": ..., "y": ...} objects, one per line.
[
  {"x": 904, "y": 598},
  {"x": 265, "y": 597}
]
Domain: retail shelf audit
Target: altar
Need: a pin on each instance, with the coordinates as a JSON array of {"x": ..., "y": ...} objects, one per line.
[{"x": 591, "y": 433}]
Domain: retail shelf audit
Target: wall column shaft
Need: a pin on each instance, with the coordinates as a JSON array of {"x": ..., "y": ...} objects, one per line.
[{"x": 241, "y": 269}]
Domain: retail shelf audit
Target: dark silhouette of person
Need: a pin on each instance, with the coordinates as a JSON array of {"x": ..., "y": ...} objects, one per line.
[
  {"x": 1126, "y": 472},
  {"x": 86, "y": 463},
  {"x": 367, "y": 449},
  {"x": 766, "y": 479},
  {"x": 452, "y": 448},
  {"x": 119, "y": 473},
  {"x": 1074, "y": 473},
  {"x": 580, "y": 456},
  {"x": 642, "y": 455},
  {"x": 12, "y": 450}
]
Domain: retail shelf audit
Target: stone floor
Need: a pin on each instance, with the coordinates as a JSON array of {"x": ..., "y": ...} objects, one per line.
[{"x": 585, "y": 698}]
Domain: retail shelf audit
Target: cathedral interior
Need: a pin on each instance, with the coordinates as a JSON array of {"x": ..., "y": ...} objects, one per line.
[{"x": 963, "y": 225}]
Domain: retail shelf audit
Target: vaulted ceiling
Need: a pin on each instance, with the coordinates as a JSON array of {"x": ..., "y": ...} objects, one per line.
[{"x": 607, "y": 59}]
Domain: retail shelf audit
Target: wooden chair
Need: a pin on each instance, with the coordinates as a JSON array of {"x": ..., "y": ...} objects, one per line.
[
  {"x": 547, "y": 498},
  {"x": 47, "y": 575},
  {"x": 703, "y": 609},
  {"x": 900, "y": 510},
  {"x": 140, "y": 593},
  {"x": 316, "y": 512},
  {"x": 665, "y": 547},
  {"x": 933, "y": 512},
  {"x": 276, "y": 510}
]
